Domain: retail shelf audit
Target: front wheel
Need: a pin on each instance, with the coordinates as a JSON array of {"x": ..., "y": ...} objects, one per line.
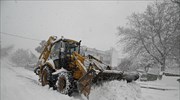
[{"x": 64, "y": 83}]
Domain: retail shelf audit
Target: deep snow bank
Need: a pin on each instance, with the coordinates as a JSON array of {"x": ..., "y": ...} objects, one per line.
[{"x": 116, "y": 90}]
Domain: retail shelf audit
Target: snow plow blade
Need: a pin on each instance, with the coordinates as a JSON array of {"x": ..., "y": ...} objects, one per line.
[
  {"x": 109, "y": 75},
  {"x": 90, "y": 78}
]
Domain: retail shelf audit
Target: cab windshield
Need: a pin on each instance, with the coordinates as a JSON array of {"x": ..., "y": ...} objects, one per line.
[
  {"x": 72, "y": 48},
  {"x": 69, "y": 49}
]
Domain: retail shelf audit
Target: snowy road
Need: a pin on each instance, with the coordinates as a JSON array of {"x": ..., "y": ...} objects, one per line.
[{"x": 20, "y": 84}]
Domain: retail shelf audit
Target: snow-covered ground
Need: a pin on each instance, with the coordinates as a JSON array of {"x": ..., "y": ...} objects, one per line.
[
  {"x": 18, "y": 83},
  {"x": 166, "y": 89}
]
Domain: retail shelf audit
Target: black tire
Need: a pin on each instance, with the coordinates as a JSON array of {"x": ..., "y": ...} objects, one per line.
[
  {"x": 45, "y": 76},
  {"x": 64, "y": 83},
  {"x": 37, "y": 70}
]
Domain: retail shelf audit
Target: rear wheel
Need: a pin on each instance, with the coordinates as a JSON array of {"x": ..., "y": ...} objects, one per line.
[
  {"x": 64, "y": 83},
  {"x": 45, "y": 76}
]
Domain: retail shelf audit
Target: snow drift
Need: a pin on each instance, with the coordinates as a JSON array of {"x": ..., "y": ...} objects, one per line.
[{"x": 116, "y": 90}]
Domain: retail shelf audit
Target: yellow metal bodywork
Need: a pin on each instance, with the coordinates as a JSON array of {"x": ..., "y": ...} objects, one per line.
[
  {"x": 47, "y": 49},
  {"x": 77, "y": 64},
  {"x": 84, "y": 77}
]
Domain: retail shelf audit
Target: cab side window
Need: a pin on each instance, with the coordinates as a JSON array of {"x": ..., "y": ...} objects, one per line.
[{"x": 55, "y": 51}]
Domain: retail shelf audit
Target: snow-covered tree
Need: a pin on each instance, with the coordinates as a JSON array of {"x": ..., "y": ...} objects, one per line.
[
  {"x": 153, "y": 34},
  {"x": 125, "y": 64}
]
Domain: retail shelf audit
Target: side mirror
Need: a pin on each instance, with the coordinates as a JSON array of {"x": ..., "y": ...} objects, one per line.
[{"x": 79, "y": 42}]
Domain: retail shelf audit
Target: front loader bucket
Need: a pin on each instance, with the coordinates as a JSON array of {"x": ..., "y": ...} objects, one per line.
[
  {"x": 84, "y": 84},
  {"x": 107, "y": 75}
]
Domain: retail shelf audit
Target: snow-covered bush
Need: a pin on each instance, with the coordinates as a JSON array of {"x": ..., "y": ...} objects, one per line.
[
  {"x": 23, "y": 58},
  {"x": 39, "y": 49},
  {"x": 5, "y": 51}
]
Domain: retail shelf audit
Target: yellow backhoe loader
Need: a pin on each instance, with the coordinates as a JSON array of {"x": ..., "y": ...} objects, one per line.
[{"x": 62, "y": 67}]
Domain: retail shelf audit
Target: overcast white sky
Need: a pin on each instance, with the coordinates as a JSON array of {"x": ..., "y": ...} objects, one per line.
[{"x": 93, "y": 22}]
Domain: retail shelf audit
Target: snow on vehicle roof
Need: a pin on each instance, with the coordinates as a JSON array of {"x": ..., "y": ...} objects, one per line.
[{"x": 66, "y": 40}]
